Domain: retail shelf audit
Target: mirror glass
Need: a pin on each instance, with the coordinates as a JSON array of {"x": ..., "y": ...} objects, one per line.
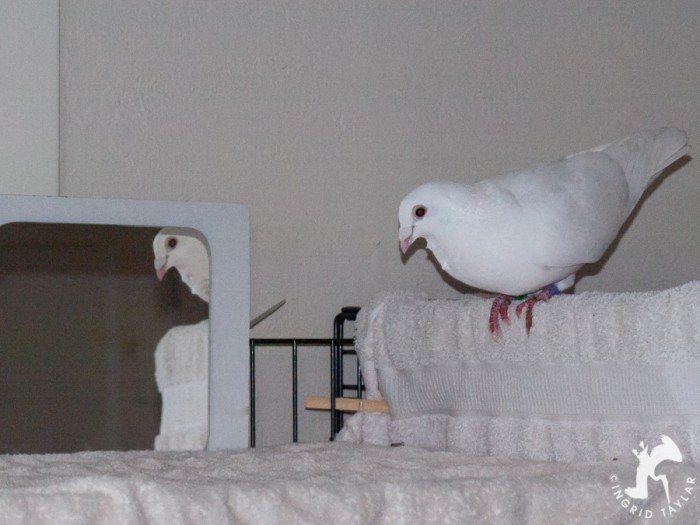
[{"x": 81, "y": 312}]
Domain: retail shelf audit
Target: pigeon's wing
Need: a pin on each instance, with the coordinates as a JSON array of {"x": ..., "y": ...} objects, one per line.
[
  {"x": 198, "y": 283},
  {"x": 571, "y": 209},
  {"x": 582, "y": 200},
  {"x": 195, "y": 269},
  {"x": 644, "y": 155}
]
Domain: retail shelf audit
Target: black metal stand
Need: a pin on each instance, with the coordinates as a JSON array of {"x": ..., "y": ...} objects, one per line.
[{"x": 338, "y": 347}]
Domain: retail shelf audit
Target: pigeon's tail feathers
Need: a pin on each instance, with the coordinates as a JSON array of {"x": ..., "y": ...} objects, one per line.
[{"x": 644, "y": 155}]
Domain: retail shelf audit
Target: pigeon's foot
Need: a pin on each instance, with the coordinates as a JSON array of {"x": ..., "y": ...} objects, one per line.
[
  {"x": 528, "y": 304},
  {"x": 499, "y": 312}
]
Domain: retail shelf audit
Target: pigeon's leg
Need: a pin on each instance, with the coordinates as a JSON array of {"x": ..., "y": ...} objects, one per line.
[
  {"x": 528, "y": 304},
  {"x": 499, "y": 312}
]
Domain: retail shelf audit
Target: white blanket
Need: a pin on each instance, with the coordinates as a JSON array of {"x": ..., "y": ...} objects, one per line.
[{"x": 330, "y": 483}]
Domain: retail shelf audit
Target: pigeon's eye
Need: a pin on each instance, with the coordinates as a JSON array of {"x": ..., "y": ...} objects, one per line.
[
  {"x": 172, "y": 242},
  {"x": 419, "y": 211}
]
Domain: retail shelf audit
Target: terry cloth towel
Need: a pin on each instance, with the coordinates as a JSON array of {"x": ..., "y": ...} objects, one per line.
[
  {"x": 182, "y": 376},
  {"x": 598, "y": 373}
]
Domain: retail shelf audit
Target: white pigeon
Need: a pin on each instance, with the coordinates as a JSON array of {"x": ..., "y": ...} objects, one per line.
[
  {"x": 527, "y": 231},
  {"x": 184, "y": 249}
]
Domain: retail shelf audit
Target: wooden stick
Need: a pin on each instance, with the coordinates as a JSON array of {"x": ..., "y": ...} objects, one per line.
[{"x": 346, "y": 404}]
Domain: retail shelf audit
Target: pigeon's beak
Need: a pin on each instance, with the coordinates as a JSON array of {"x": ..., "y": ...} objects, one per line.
[
  {"x": 406, "y": 237},
  {"x": 161, "y": 265}
]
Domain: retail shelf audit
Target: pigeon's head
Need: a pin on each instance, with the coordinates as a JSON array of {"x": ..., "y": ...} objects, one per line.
[
  {"x": 180, "y": 248},
  {"x": 423, "y": 211}
]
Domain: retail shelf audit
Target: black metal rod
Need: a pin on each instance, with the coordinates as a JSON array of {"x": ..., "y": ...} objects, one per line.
[
  {"x": 251, "y": 390},
  {"x": 339, "y": 380},
  {"x": 333, "y": 393},
  {"x": 301, "y": 342},
  {"x": 358, "y": 376},
  {"x": 348, "y": 313},
  {"x": 295, "y": 394}
]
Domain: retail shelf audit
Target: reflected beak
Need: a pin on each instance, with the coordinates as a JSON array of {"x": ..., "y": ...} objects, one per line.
[
  {"x": 160, "y": 272},
  {"x": 161, "y": 266},
  {"x": 406, "y": 237}
]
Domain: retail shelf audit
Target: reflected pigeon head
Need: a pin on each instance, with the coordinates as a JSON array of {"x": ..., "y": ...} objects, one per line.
[{"x": 184, "y": 249}]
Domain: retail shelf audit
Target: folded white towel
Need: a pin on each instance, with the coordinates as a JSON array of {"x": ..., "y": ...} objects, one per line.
[{"x": 598, "y": 373}]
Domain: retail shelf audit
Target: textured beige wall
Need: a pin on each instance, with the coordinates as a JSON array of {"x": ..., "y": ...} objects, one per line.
[
  {"x": 321, "y": 116},
  {"x": 29, "y": 97}
]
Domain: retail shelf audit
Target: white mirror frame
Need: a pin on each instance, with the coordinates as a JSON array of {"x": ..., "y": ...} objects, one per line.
[{"x": 226, "y": 227}]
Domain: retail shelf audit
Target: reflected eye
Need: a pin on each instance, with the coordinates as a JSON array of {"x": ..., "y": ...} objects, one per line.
[
  {"x": 419, "y": 211},
  {"x": 172, "y": 242}
]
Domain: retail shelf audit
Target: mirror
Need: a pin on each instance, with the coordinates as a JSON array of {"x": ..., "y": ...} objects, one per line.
[
  {"x": 82, "y": 311},
  {"x": 81, "y": 314}
]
